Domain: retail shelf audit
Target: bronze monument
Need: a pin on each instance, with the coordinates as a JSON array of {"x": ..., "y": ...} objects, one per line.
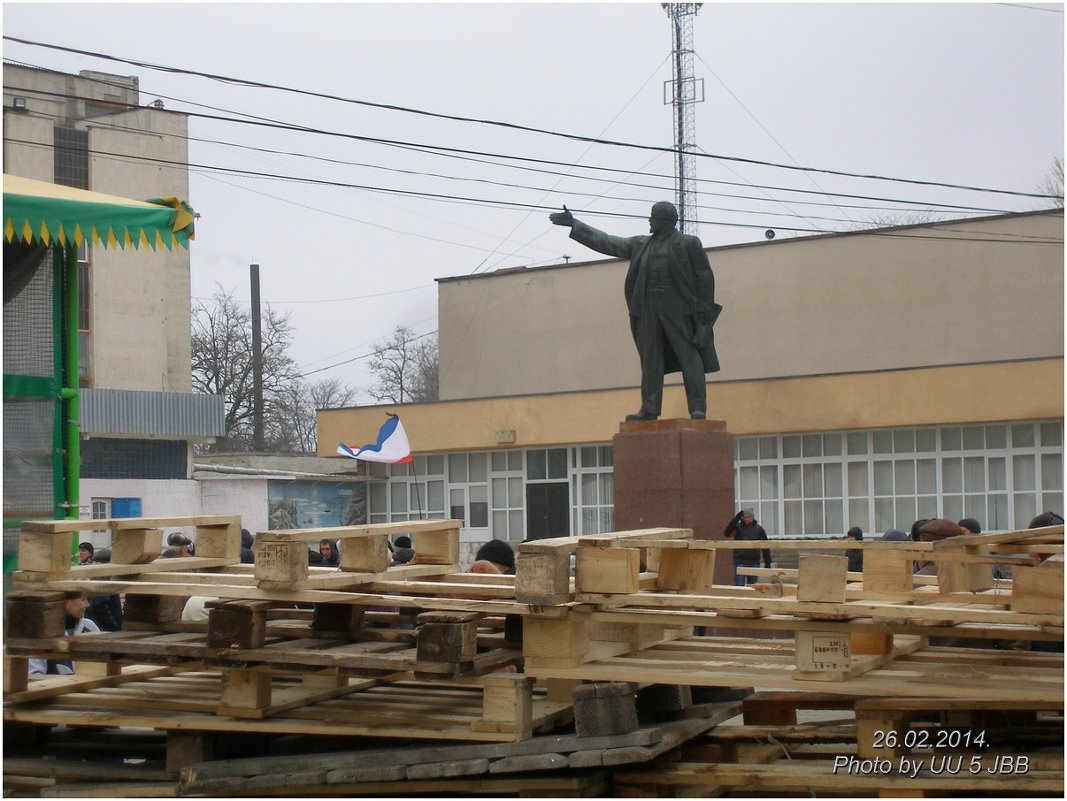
[{"x": 670, "y": 293}]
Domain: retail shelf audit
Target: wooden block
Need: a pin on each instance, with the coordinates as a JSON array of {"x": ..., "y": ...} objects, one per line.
[
  {"x": 604, "y": 708},
  {"x": 871, "y": 729},
  {"x": 44, "y": 551},
  {"x": 955, "y": 576},
  {"x": 822, "y": 578},
  {"x": 886, "y": 570},
  {"x": 438, "y": 547},
  {"x": 244, "y": 689},
  {"x": 238, "y": 624},
  {"x": 867, "y": 642},
  {"x": 823, "y": 652},
  {"x": 35, "y": 615},
  {"x": 16, "y": 673},
  {"x": 542, "y": 579},
  {"x": 553, "y": 642},
  {"x": 279, "y": 561},
  {"x": 448, "y": 770},
  {"x": 1038, "y": 590},
  {"x": 219, "y": 539},
  {"x": 685, "y": 570},
  {"x": 447, "y": 637},
  {"x": 153, "y": 609},
  {"x": 507, "y": 700},
  {"x": 607, "y": 570},
  {"x": 344, "y": 619},
  {"x": 658, "y": 699},
  {"x": 366, "y": 554},
  {"x": 135, "y": 546}
]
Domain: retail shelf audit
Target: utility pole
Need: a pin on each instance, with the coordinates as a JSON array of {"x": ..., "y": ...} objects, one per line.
[
  {"x": 257, "y": 363},
  {"x": 684, "y": 91}
]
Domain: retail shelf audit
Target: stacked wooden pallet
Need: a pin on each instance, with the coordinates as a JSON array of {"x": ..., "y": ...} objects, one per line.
[
  {"x": 939, "y": 747},
  {"x": 424, "y": 651}
]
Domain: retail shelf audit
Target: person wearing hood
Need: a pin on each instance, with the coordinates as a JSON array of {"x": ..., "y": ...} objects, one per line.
[
  {"x": 247, "y": 541},
  {"x": 744, "y": 527},
  {"x": 331, "y": 554},
  {"x": 403, "y": 553}
]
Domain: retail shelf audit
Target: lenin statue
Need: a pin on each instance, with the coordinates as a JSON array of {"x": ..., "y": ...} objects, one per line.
[{"x": 670, "y": 293}]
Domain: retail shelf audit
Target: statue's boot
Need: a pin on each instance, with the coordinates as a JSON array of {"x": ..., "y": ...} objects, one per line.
[{"x": 642, "y": 415}]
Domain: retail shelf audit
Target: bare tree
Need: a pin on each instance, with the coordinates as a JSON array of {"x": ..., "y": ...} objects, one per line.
[
  {"x": 222, "y": 362},
  {"x": 1052, "y": 183},
  {"x": 405, "y": 367},
  {"x": 293, "y": 429}
]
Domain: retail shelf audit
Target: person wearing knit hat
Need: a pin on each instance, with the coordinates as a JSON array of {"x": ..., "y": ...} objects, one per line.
[
  {"x": 855, "y": 555},
  {"x": 499, "y": 553},
  {"x": 85, "y": 552},
  {"x": 744, "y": 527}
]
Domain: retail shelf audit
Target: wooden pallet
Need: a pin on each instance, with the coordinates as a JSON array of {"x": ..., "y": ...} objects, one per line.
[
  {"x": 291, "y": 775},
  {"x": 1024, "y": 755}
]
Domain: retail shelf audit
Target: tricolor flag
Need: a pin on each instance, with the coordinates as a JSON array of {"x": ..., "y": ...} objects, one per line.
[{"x": 391, "y": 448}]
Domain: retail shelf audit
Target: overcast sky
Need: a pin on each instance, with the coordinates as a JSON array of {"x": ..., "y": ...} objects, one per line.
[{"x": 959, "y": 94}]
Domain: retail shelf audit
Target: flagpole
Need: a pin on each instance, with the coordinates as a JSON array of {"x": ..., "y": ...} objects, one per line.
[{"x": 418, "y": 495}]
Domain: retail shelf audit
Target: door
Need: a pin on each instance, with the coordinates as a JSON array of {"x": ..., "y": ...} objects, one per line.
[{"x": 548, "y": 509}]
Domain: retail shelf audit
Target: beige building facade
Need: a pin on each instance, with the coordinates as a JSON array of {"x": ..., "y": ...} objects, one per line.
[{"x": 869, "y": 379}]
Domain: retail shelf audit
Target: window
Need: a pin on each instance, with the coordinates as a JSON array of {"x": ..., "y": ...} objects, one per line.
[
  {"x": 594, "y": 490},
  {"x": 507, "y": 495},
  {"x": 1002, "y": 475}
]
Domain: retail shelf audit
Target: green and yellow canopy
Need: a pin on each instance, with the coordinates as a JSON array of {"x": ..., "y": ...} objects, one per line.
[{"x": 39, "y": 212}]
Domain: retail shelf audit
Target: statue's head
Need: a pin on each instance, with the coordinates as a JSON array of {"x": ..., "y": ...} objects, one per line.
[{"x": 664, "y": 215}]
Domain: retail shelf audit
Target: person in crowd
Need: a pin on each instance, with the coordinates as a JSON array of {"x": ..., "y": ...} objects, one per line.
[
  {"x": 403, "y": 553},
  {"x": 247, "y": 541},
  {"x": 500, "y": 554},
  {"x": 744, "y": 527},
  {"x": 894, "y": 535},
  {"x": 855, "y": 555},
  {"x": 1046, "y": 519},
  {"x": 179, "y": 545},
  {"x": 105, "y": 610},
  {"x": 76, "y": 622},
  {"x": 195, "y": 609},
  {"x": 85, "y": 552},
  {"x": 331, "y": 553}
]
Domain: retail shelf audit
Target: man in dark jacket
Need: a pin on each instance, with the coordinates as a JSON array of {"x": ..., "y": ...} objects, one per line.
[
  {"x": 744, "y": 527},
  {"x": 670, "y": 294}
]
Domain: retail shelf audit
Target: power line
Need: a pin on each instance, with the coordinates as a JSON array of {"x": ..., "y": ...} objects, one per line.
[{"x": 496, "y": 123}]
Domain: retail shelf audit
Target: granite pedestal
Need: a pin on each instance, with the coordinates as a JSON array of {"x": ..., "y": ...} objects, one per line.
[{"x": 676, "y": 473}]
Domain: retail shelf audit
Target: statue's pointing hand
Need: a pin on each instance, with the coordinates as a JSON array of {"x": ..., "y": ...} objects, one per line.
[{"x": 562, "y": 218}]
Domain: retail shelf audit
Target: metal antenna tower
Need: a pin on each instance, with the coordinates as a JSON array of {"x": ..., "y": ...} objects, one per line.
[{"x": 682, "y": 92}]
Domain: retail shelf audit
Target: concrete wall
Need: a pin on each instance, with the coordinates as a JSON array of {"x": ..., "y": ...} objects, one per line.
[
  {"x": 140, "y": 307},
  {"x": 244, "y": 496},
  {"x": 1026, "y": 390},
  {"x": 950, "y": 294}
]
